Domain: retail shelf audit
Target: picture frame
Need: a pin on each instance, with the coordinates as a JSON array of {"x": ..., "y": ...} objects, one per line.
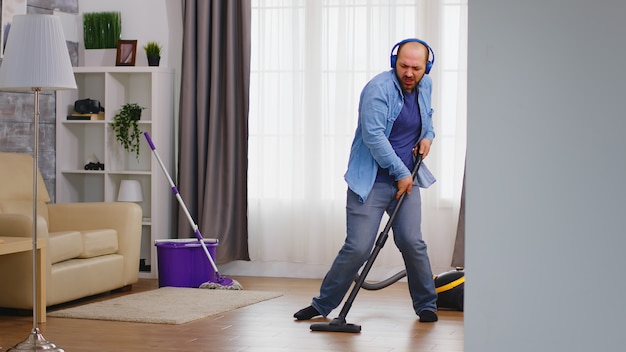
[{"x": 126, "y": 53}]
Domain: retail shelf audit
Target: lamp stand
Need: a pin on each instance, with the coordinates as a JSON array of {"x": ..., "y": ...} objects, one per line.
[{"x": 35, "y": 340}]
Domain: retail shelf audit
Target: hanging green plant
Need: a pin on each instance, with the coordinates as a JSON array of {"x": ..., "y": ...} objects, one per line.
[{"x": 126, "y": 127}]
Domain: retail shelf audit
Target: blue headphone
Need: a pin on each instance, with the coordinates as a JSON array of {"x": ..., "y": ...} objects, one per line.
[{"x": 429, "y": 64}]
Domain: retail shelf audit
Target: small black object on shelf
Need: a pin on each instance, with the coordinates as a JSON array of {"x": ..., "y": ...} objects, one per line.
[
  {"x": 88, "y": 106},
  {"x": 94, "y": 166}
]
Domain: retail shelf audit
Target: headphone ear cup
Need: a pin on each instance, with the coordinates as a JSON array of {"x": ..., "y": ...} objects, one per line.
[{"x": 429, "y": 65}]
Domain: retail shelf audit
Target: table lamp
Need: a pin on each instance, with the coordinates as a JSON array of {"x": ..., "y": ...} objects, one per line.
[
  {"x": 130, "y": 191},
  {"x": 36, "y": 58}
]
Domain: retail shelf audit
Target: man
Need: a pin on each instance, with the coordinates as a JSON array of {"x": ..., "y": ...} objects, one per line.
[{"x": 395, "y": 123}]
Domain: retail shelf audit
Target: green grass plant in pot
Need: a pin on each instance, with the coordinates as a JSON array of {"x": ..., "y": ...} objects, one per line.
[
  {"x": 153, "y": 52},
  {"x": 102, "y": 30},
  {"x": 126, "y": 127}
]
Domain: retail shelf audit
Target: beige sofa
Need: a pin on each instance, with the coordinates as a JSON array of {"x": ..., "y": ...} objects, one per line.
[{"x": 91, "y": 247}]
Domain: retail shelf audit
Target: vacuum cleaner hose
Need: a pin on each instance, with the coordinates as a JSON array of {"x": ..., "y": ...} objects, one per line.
[{"x": 372, "y": 286}]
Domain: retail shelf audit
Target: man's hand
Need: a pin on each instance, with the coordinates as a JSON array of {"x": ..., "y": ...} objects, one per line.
[
  {"x": 423, "y": 147},
  {"x": 404, "y": 185}
]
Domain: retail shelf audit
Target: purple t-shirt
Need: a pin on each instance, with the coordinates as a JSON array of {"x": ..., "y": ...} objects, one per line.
[{"x": 404, "y": 134}]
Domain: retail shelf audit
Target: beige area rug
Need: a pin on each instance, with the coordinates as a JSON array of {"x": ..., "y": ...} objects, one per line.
[{"x": 166, "y": 305}]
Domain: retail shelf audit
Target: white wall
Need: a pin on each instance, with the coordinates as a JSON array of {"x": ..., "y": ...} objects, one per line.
[
  {"x": 145, "y": 20},
  {"x": 546, "y": 171}
]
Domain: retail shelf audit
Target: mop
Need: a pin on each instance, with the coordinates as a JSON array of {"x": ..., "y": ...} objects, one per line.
[
  {"x": 218, "y": 282},
  {"x": 339, "y": 323}
]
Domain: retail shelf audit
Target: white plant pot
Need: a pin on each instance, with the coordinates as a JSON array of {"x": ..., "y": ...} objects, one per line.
[{"x": 97, "y": 57}]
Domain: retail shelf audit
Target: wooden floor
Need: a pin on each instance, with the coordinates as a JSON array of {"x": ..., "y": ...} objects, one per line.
[{"x": 386, "y": 316}]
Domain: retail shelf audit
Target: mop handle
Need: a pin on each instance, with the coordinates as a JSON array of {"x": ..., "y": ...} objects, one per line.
[{"x": 181, "y": 202}]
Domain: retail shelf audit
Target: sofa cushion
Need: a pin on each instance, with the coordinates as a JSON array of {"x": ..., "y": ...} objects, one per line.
[
  {"x": 64, "y": 245},
  {"x": 98, "y": 242},
  {"x": 77, "y": 278}
]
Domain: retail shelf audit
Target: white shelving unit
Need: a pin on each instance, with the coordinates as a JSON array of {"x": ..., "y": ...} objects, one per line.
[{"x": 78, "y": 141}]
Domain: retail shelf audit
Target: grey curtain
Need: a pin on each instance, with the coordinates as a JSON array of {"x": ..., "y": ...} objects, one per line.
[
  {"x": 213, "y": 123},
  {"x": 458, "y": 256}
]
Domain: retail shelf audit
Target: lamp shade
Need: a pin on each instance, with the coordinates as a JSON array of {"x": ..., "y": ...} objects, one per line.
[
  {"x": 130, "y": 191},
  {"x": 36, "y": 55}
]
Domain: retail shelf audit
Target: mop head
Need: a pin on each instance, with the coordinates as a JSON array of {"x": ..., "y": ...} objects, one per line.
[{"x": 222, "y": 283}]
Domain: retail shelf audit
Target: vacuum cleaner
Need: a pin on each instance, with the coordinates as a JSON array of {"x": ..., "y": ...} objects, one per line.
[
  {"x": 339, "y": 323},
  {"x": 450, "y": 287}
]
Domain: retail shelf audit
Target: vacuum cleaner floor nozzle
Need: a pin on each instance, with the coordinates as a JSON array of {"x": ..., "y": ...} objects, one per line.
[{"x": 336, "y": 325}]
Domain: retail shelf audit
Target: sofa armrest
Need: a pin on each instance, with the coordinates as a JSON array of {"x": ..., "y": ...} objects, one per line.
[
  {"x": 20, "y": 225},
  {"x": 124, "y": 217}
]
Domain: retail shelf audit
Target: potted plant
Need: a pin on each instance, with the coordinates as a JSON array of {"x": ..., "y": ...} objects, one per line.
[
  {"x": 126, "y": 127},
  {"x": 101, "y": 31},
  {"x": 153, "y": 52}
]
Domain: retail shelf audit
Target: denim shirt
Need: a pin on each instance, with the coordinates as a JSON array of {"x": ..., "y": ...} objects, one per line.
[{"x": 380, "y": 104}]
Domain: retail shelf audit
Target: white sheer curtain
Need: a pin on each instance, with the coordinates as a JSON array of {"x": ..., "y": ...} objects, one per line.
[{"x": 310, "y": 60}]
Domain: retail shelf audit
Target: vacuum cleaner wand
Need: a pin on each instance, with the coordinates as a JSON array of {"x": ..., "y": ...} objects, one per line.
[{"x": 339, "y": 323}]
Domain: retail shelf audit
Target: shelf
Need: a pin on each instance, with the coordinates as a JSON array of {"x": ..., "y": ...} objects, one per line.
[
  {"x": 122, "y": 69},
  {"x": 79, "y": 141}
]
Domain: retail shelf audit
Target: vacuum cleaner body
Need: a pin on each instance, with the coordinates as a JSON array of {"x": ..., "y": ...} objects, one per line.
[{"x": 450, "y": 287}]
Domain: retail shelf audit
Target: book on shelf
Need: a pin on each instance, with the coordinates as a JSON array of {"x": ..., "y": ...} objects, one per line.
[{"x": 84, "y": 117}]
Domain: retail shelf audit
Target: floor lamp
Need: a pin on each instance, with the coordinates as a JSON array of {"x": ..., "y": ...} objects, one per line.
[{"x": 36, "y": 58}]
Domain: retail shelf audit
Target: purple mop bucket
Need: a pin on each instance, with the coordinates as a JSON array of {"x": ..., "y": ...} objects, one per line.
[
  {"x": 183, "y": 263},
  {"x": 217, "y": 280}
]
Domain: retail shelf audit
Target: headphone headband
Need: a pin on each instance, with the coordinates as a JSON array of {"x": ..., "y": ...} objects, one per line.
[{"x": 430, "y": 62}]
